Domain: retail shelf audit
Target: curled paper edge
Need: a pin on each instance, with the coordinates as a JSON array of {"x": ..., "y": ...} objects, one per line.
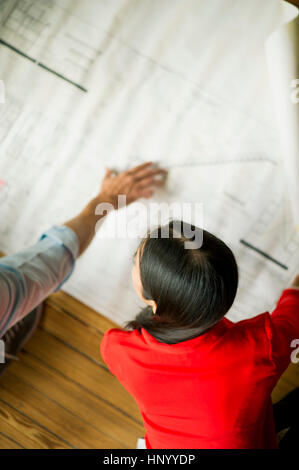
[{"x": 282, "y": 56}]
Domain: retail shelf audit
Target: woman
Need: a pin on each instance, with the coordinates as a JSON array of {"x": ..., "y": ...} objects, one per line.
[{"x": 200, "y": 380}]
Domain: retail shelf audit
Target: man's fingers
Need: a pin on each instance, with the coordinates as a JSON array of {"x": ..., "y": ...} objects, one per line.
[
  {"x": 151, "y": 181},
  {"x": 145, "y": 182},
  {"x": 136, "y": 183},
  {"x": 147, "y": 193},
  {"x": 108, "y": 173},
  {"x": 142, "y": 169},
  {"x": 151, "y": 173},
  {"x": 138, "y": 168}
]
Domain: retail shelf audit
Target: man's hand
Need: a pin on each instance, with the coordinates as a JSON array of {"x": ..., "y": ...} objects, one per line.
[{"x": 134, "y": 184}]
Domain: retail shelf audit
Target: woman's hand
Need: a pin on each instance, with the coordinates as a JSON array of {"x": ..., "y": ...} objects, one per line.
[{"x": 134, "y": 184}]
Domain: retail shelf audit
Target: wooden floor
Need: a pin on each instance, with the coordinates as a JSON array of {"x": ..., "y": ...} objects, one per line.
[{"x": 61, "y": 394}]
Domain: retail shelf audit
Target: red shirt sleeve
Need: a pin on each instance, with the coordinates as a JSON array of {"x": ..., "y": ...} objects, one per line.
[
  {"x": 284, "y": 328},
  {"x": 111, "y": 351}
]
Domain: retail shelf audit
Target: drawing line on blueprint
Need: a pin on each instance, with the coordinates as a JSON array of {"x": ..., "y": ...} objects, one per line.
[{"x": 40, "y": 64}]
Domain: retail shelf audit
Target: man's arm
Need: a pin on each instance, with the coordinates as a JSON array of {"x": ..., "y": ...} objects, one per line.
[
  {"x": 133, "y": 184},
  {"x": 28, "y": 277}
]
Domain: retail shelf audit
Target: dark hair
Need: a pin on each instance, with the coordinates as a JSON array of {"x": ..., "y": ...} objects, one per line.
[{"x": 193, "y": 288}]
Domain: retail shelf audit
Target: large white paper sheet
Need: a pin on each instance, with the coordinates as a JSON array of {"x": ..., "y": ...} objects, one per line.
[
  {"x": 282, "y": 50},
  {"x": 99, "y": 83}
]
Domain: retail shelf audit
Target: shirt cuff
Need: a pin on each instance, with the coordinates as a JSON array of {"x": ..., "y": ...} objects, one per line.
[{"x": 67, "y": 238}]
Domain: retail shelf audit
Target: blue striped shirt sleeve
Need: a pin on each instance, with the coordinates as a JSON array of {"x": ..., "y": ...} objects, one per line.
[{"x": 28, "y": 277}]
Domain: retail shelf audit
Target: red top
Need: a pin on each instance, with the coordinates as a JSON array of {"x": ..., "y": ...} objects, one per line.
[{"x": 213, "y": 391}]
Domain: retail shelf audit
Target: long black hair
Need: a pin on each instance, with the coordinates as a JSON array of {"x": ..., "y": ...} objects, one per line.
[{"x": 193, "y": 288}]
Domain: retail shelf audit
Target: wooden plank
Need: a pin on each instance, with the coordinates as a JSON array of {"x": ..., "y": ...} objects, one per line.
[
  {"x": 294, "y": 2},
  {"x": 78, "y": 401},
  {"x": 287, "y": 382},
  {"x": 19, "y": 427},
  {"x": 82, "y": 312},
  {"x": 8, "y": 443},
  {"x": 69, "y": 330},
  {"x": 79, "y": 369},
  {"x": 57, "y": 419}
]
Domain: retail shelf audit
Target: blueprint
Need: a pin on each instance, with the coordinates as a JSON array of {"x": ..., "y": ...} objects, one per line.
[
  {"x": 282, "y": 53},
  {"x": 97, "y": 83}
]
